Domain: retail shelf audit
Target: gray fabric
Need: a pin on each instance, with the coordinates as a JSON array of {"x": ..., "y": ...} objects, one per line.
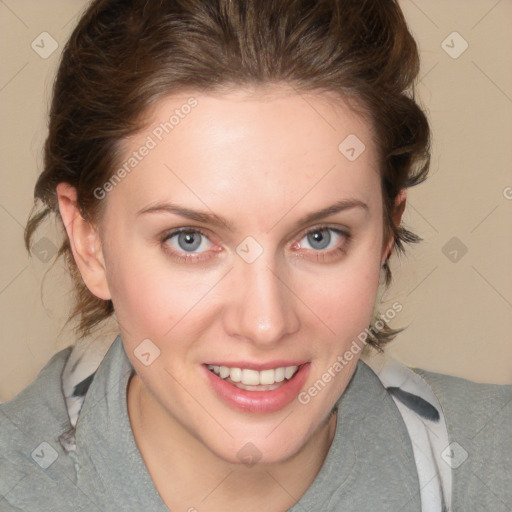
[
  {"x": 479, "y": 421},
  {"x": 370, "y": 465}
]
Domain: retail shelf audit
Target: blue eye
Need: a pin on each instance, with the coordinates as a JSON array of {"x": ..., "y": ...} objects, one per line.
[
  {"x": 326, "y": 244},
  {"x": 192, "y": 245},
  {"x": 188, "y": 240},
  {"x": 320, "y": 239}
]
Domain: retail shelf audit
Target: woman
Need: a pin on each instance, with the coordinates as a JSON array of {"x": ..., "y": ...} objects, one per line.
[{"x": 231, "y": 178}]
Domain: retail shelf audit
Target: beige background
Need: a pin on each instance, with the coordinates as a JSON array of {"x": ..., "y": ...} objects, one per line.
[{"x": 458, "y": 313}]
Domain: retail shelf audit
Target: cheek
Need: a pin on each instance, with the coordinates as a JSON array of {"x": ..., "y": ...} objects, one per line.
[
  {"x": 345, "y": 308},
  {"x": 154, "y": 299},
  {"x": 343, "y": 296},
  {"x": 147, "y": 297}
]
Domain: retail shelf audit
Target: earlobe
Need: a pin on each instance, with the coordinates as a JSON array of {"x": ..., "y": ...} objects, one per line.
[
  {"x": 84, "y": 241},
  {"x": 400, "y": 202}
]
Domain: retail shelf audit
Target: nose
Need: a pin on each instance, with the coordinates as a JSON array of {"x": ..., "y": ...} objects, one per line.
[{"x": 262, "y": 306}]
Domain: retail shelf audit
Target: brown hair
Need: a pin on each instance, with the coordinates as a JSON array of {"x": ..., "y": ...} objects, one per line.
[{"x": 125, "y": 55}]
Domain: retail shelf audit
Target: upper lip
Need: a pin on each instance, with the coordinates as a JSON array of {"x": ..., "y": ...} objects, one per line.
[{"x": 257, "y": 366}]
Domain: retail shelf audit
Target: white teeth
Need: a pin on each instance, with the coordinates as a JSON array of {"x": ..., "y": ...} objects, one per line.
[
  {"x": 235, "y": 374},
  {"x": 253, "y": 377},
  {"x": 279, "y": 374},
  {"x": 250, "y": 377},
  {"x": 267, "y": 377},
  {"x": 289, "y": 372}
]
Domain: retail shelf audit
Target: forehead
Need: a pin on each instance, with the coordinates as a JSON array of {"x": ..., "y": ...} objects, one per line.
[{"x": 251, "y": 147}]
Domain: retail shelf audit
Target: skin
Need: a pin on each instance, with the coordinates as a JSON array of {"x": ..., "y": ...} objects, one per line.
[{"x": 262, "y": 160}]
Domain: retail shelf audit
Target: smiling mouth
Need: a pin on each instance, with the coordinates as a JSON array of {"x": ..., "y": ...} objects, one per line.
[{"x": 254, "y": 380}]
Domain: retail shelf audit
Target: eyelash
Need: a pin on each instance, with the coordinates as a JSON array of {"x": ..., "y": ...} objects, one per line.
[{"x": 321, "y": 255}]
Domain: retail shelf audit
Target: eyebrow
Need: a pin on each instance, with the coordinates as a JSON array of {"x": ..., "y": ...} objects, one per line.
[{"x": 215, "y": 220}]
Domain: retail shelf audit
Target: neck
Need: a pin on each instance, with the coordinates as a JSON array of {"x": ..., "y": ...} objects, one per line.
[{"x": 187, "y": 474}]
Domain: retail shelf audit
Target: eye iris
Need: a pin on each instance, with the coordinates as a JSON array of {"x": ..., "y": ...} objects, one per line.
[
  {"x": 321, "y": 237},
  {"x": 191, "y": 241}
]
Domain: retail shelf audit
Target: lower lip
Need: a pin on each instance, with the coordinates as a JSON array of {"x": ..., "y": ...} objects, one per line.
[{"x": 259, "y": 401}]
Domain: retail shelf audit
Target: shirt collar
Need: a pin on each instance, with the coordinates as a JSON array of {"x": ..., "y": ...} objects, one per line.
[
  {"x": 371, "y": 451},
  {"x": 107, "y": 455}
]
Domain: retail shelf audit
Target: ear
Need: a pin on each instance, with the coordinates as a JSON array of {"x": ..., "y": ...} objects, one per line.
[
  {"x": 397, "y": 218},
  {"x": 84, "y": 241}
]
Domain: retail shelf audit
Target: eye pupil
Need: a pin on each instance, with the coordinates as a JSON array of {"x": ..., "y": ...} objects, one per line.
[
  {"x": 191, "y": 241},
  {"x": 319, "y": 239}
]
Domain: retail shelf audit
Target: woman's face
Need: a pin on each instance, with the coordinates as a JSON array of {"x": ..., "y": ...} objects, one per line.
[{"x": 259, "y": 280}]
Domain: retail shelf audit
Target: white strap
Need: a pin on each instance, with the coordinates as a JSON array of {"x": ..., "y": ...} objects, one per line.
[
  {"x": 429, "y": 437},
  {"x": 83, "y": 361}
]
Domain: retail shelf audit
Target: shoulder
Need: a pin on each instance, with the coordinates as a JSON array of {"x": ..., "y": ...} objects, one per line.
[
  {"x": 30, "y": 452},
  {"x": 41, "y": 403},
  {"x": 479, "y": 422},
  {"x": 469, "y": 405}
]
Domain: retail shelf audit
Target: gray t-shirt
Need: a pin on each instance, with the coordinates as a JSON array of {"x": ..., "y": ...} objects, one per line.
[{"x": 370, "y": 464}]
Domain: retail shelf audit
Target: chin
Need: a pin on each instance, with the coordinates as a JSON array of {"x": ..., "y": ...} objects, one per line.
[{"x": 267, "y": 446}]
